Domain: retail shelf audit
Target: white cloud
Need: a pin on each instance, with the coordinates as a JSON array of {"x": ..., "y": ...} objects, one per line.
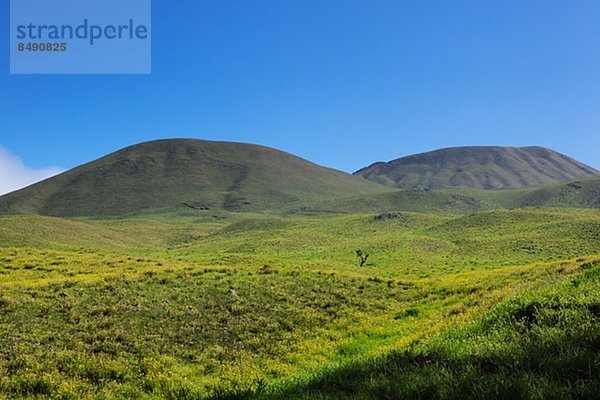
[{"x": 15, "y": 175}]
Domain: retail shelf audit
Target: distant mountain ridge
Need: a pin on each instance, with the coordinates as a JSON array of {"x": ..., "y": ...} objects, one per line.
[
  {"x": 182, "y": 174},
  {"x": 478, "y": 167}
]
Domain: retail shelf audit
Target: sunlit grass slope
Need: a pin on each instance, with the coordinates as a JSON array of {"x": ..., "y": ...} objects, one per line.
[
  {"x": 196, "y": 307},
  {"x": 584, "y": 193},
  {"x": 423, "y": 201},
  {"x": 87, "y": 325},
  {"x": 114, "y": 235},
  {"x": 400, "y": 244},
  {"x": 543, "y": 344}
]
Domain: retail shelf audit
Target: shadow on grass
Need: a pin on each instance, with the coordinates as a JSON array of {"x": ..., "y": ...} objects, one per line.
[{"x": 545, "y": 346}]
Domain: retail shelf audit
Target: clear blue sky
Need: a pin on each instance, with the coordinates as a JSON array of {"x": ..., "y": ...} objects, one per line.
[{"x": 340, "y": 82}]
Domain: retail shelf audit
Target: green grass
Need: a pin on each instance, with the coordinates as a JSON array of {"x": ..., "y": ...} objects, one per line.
[
  {"x": 422, "y": 201},
  {"x": 543, "y": 344},
  {"x": 413, "y": 245},
  {"x": 178, "y": 306},
  {"x": 584, "y": 193},
  {"x": 581, "y": 193}
]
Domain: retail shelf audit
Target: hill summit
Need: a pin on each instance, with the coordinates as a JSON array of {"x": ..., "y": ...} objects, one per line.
[
  {"x": 480, "y": 167},
  {"x": 185, "y": 173}
]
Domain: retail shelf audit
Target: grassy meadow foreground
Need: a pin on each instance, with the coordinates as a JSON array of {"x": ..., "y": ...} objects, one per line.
[{"x": 233, "y": 305}]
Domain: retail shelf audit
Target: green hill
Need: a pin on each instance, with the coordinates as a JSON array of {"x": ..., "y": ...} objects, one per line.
[
  {"x": 423, "y": 201},
  {"x": 181, "y": 174},
  {"x": 584, "y": 193},
  {"x": 478, "y": 167},
  {"x": 580, "y": 193}
]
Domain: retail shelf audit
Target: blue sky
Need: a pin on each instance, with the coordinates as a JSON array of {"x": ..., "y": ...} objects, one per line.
[{"x": 340, "y": 82}]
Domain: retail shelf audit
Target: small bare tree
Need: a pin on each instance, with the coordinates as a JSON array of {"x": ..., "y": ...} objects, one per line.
[{"x": 362, "y": 257}]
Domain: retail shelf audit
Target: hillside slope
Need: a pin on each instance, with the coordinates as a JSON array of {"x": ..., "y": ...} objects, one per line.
[
  {"x": 478, "y": 167},
  {"x": 185, "y": 173},
  {"x": 583, "y": 193},
  {"x": 422, "y": 201}
]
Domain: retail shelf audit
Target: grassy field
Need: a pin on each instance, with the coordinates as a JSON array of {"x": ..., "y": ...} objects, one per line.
[
  {"x": 543, "y": 344},
  {"x": 254, "y": 305}
]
